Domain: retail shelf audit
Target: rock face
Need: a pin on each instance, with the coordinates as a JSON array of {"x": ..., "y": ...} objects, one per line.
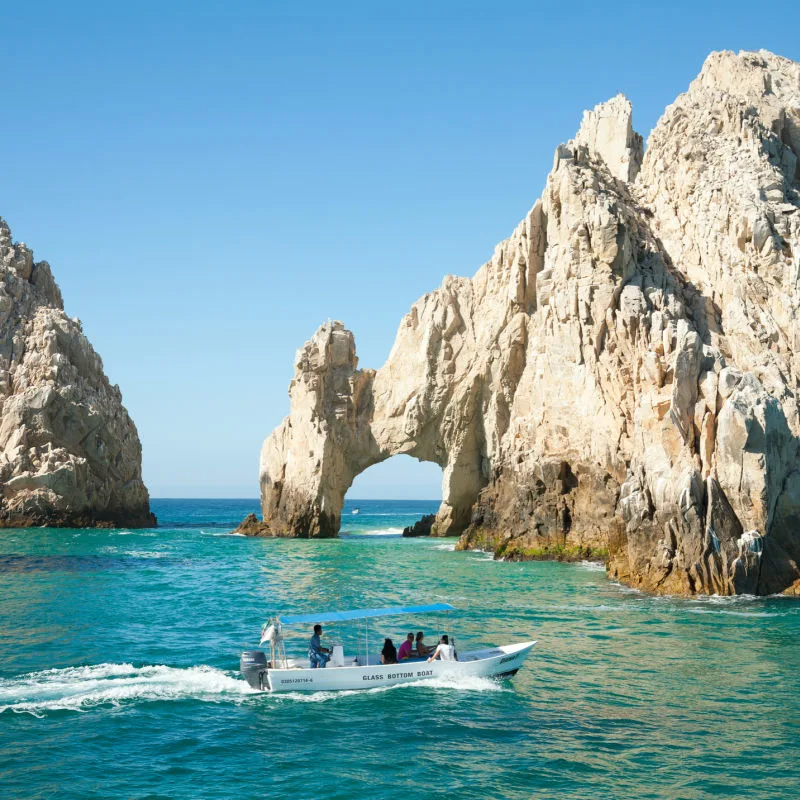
[
  {"x": 69, "y": 453},
  {"x": 422, "y": 527},
  {"x": 620, "y": 379}
]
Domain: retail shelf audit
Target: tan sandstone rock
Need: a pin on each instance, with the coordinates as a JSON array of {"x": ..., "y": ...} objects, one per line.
[
  {"x": 69, "y": 453},
  {"x": 620, "y": 379}
]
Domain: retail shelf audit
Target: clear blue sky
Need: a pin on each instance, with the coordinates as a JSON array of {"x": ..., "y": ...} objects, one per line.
[{"x": 211, "y": 181}]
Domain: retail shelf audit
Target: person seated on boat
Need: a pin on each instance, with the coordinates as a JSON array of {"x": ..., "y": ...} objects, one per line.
[
  {"x": 422, "y": 649},
  {"x": 389, "y": 653},
  {"x": 444, "y": 651},
  {"x": 407, "y": 648},
  {"x": 317, "y": 654}
]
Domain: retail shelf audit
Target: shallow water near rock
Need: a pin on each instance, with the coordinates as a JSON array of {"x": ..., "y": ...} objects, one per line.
[{"x": 119, "y": 672}]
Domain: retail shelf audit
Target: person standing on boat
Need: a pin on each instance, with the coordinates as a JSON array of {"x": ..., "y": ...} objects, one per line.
[
  {"x": 317, "y": 654},
  {"x": 444, "y": 651}
]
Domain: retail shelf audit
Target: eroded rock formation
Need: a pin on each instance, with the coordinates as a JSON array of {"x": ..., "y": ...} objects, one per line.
[
  {"x": 69, "y": 453},
  {"x": 620, "y": 379},
  {"x": 422, "y": 527}
]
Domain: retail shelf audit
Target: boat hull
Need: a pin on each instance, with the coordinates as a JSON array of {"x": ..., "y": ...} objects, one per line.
[{"x": 497, "y": 662}]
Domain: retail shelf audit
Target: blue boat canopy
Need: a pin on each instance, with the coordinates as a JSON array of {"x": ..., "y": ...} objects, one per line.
[{"x": 344, "y": 616}]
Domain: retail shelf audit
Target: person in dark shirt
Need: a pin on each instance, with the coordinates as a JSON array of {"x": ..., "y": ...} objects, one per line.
[
  {"x": 389, "y": 653},
  {"x": 317, "y": 654}
]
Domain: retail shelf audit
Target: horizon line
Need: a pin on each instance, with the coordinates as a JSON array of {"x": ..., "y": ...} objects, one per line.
[{"x": 352, "y": 500}]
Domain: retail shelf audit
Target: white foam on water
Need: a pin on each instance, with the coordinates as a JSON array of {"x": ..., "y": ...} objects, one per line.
[
  {"x": 482, "y": 555},
  {"x": 445, "y": 546},
  {"x": 628, "y": 589},
  {"x": 719, "y": 599},
  {"x": 591, "y": 566},
  {"x": 458, "y": 683},
  {"x": 83, "y": 688},
  {"x": 145, "y": 554},
  {"x": 709, "y": 603},
  {"x": 747, "y": 605},
  {"x": 578, "y": 607},
  {"x": 732, "y": 613},
  {"x": 463, "y": 683},
  {"x": 377, "y": 532}
]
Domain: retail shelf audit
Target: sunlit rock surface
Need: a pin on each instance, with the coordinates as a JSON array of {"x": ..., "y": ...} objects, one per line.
[
  {"x": 69, "y": 453},
  {"x": 619, "y": 381}
]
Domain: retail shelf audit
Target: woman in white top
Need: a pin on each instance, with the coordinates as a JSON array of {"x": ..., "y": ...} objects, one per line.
[{"x": 444, "y": 651}]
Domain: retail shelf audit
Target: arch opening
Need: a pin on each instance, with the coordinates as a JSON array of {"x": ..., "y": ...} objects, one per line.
[
  {"x": 392, "y": 495},
  {"x": 408, "y": 490}
]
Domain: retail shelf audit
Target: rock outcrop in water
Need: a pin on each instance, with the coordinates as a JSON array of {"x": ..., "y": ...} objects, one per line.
[
  {"x": 422, "y": 527},
  {"x": 69, "y": 453},
  {"x": 620, "y": 379}
]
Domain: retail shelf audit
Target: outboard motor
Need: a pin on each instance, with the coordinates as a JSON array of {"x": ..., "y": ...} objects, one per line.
[{"x": 253, "y": 664}]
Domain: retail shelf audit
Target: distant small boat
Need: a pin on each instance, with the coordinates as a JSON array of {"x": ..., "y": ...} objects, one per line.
[
  {"x": 281, "y": 674},
  {"x": 356, "y": 511}
]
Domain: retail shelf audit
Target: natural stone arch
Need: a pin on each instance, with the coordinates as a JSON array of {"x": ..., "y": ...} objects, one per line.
[{"x": 344, "y": 420}]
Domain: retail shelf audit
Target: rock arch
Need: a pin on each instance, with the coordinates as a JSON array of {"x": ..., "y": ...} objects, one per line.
[{"x": 344, "y": 420}]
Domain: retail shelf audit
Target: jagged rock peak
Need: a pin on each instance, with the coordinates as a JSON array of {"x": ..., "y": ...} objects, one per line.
[
  {"x": 620, "y": 379},
  {"x": 607, "y": 132},
  {"x": 69, "y": 453},
  {"x": 751, "y": 74}
]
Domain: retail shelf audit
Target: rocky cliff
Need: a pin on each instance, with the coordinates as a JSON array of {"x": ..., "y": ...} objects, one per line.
[
  {"x": 620, "y": 379},
  {"x": 69, "y": 452}
]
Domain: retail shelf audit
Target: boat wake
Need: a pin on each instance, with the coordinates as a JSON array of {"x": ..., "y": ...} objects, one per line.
[
  {"x": 84, "y": 688},
  {"x": 114, "y": 685}
]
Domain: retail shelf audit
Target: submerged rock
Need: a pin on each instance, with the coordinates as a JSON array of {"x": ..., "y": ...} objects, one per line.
[
  {"x": 69, "y": 453},
  {"x": 620, "y": 379}
]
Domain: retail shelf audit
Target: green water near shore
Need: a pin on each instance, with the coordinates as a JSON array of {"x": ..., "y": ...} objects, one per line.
[{"x": 119, "y": 654}]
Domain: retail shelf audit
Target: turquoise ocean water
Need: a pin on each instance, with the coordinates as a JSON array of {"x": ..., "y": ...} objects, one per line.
[{"x": 119, "y": 672}]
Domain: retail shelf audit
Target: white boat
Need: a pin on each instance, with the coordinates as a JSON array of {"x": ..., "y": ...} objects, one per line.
[
  {"x": 356, "y": 511},
  {"x": 364, "y": 671}
]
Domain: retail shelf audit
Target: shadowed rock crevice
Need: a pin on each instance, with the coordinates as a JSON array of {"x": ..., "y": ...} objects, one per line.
[{"x": 620, "y": 380}]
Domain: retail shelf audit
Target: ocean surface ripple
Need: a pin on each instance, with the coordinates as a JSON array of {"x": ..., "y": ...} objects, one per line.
[{"x": 119, "y": 672}]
